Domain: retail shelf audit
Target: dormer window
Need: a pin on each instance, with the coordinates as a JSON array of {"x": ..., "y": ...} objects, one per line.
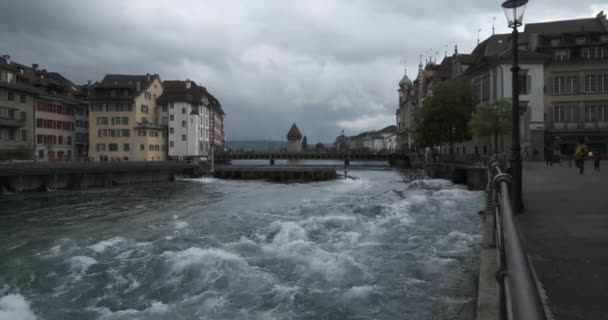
[
  {"x": 113, "y": 93},
  {"x": 581, "y": 40},
  {"x": 126, "y": 92},
  {"x": 555, "y": 42}
]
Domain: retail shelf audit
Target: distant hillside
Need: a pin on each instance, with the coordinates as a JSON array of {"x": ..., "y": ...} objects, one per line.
[{"x": 256, "y": 145}]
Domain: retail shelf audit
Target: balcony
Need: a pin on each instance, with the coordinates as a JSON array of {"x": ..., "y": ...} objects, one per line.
[{"x": 12, "y": 122}]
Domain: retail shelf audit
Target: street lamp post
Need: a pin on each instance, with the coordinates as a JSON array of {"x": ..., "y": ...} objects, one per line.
[{"x": 514, "y": 11}]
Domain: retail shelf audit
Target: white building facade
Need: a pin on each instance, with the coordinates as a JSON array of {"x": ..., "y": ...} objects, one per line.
[{"x": 187, "y": 114}]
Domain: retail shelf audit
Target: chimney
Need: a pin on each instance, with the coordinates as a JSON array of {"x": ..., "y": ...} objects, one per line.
[
  {"x": 35, "y": 66},
  {"x": 533, "y": 42},
  {"x": 138, "y": 86},
  {"x": 188, "y": 84},
  {"x": 148, "y": 76}
]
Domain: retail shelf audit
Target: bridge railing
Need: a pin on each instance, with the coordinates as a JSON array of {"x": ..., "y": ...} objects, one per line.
[{"x": 519, "y": 297}]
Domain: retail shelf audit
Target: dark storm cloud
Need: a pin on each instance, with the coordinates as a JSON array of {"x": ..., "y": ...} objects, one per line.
[{"x": 328, "y": 65}]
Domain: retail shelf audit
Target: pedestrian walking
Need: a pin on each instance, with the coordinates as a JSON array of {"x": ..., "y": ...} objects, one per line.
[
  {"x": 581, "y": 153},
  {"x": 548, "y": 155},
  {"x": 596, "y": 161}
]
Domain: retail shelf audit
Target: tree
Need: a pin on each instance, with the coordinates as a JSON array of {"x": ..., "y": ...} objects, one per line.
[
  {"x": 444, "y": 117},
  {"x": 304, "y": 143},
  {"x": 483, "y": 122}
]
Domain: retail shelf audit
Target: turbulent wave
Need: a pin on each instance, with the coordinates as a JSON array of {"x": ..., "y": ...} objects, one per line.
[{"x": 373, "y": 247}]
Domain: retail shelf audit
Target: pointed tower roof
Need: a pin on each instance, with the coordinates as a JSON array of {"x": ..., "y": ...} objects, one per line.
[
  {"x": 294, "y": 133},
  {"x": 405, "y": 81}
]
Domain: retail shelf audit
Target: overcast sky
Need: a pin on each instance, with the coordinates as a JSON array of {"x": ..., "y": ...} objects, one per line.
[{"x": 329, "y": 65}]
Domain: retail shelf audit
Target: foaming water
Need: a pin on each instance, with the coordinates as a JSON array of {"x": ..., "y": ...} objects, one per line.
[{"x": 371, "y": 248}]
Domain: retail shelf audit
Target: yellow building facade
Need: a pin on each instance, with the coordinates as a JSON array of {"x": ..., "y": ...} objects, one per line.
[{"x": 123, "y": 119}]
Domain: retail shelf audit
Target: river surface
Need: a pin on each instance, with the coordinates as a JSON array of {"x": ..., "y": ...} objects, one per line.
[{"x": 373, "y": 248}]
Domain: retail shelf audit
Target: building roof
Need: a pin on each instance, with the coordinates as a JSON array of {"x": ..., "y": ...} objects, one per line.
[
  {"x": 182, "y": 91},
  {"x": 389, "y": 129},
  {"x": 576, "y": 26},
  {"x": 134, "y": 84},
  {"x": 405, "y": 81},
  {"x": 294, "y": 133}
]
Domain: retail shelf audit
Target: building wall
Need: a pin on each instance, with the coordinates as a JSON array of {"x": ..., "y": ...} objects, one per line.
[
  {"x": 143, "y": 142},
  {"x": 567, "y": 133},
  {"x": 195, "y": 131},
  {"x": 55, "y": 136},
  {"x": 81, "y": 134},
  {"x": 23, "y": 134},
  {"x": 294, "y": 146}
]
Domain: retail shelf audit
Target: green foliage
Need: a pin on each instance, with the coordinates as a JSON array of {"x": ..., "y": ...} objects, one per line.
[
  {"x": 445, "y": 116},
  {"x": 304, "y": 143},
  {"x": 483, "y": 123}
]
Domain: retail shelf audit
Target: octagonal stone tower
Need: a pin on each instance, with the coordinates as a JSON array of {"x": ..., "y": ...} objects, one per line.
[{"x": 294, "y": 139}]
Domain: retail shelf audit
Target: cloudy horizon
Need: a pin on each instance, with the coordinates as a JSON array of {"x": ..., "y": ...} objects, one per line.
[{"x": 326, "y": 65}]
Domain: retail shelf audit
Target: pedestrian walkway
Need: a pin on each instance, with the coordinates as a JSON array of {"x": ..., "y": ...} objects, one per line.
[{"x": 565, "y": 230}]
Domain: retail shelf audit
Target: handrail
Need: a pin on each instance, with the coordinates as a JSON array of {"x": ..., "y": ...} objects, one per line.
[{"x": 519, "y": 295}]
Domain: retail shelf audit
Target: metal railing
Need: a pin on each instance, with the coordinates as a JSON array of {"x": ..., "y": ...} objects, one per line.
[{"x": 519, "y": 295}]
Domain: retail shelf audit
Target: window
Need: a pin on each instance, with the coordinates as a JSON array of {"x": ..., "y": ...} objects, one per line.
[
  {"x": 171, "y": 118},
  {"x": 113, "y": 93},
  {"x": 171, "y": 144},
  {"x": 23, "y": 98},
  {"x": 183, "y": 137},
  {"x": 40, "y": 139},
  {"x": 170, "y": 105},
  {"x": 590, "y": 82},
  {"x": 60, "y": 140},
  {"x": 69, "y": 140},
  {"x": 102, "y": 120},
  {"x": 144, "y": 108},
  {"x": 143, "y": 133},
  {"x": 125, "y": 132},
  {"x": 604, "y": 38},
  {"x": 39, "y": 123},
  {"x": 602, "y": 82},
  {"x": 555, "y": 42},
  {"x": 590, "y": 114},
  {"x": 100, "y": 147},
  {"x": 156, "y": 147},
  {"x": 562, "y": 54},
  {"x": 126, "y": 147},
  {"x": 113, "y": 147},
  {"x": 564, "y": 113},
  {"x": 524, "y": 82},
  {"x": 23, "y": 135},
  {"x": 164, "y": 108},
  {"x": 565, "y": 84},
  {"x": 183, "y": 124},
  {"x": 581, "y": 40},
  {"x": 11, "y": 96},
  {"x": 142, "y": 147},
  {"x": 183, "y": 110},
  {"x": 151, "y": 147},
  {"x": 602, "y": 113},
  {"x": 171, "y": 131},
  {"x": 165, "y": 120}
]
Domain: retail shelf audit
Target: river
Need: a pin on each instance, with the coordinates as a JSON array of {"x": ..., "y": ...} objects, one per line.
[{"x": 372, "y": 248}]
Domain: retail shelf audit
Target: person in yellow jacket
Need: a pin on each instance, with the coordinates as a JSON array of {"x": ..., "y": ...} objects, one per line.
[{"x": 581, "y": 153}]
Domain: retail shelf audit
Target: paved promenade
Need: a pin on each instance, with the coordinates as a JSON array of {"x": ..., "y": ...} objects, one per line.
[{"x": 565, "y": 229}]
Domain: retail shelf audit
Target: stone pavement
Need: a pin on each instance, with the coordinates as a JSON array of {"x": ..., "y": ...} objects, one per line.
[{"x": 565, "y": 231}]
